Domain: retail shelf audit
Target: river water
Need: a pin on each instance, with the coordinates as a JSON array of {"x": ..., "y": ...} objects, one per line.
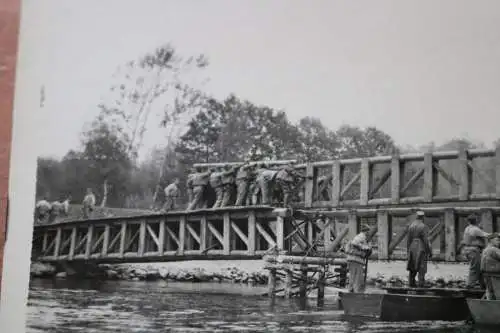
[{"x": 117, "y": 306}]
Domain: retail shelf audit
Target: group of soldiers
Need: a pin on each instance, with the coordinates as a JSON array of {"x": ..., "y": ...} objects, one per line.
[
  {"x": 481, "y": 249},
  {"x": 47, "y": 212},
  {"x": 243, "y": 185}
]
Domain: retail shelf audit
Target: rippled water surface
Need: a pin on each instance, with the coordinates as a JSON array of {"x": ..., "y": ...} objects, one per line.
[{"x": 75, "y": 306}]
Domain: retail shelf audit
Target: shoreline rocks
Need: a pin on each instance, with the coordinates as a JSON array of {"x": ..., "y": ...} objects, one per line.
[{"x": 243, "y": 272}]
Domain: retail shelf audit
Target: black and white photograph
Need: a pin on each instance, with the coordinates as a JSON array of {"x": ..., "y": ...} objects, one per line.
[{"x": 263, "y": 166}]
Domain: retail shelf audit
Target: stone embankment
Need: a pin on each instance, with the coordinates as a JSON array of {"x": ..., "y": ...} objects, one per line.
[{"x": 380, "y": 274}]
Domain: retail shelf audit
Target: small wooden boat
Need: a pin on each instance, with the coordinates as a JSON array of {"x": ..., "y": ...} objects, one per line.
[
  {"x": 410, "y": 304},
  {"x": 484, "y": 312}
]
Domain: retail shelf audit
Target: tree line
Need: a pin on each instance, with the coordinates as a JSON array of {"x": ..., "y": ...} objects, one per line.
[{"x": 197, "y": 128}]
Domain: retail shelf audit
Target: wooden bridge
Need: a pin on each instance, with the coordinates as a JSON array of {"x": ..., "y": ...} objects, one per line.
[{"x": 380, "y": 191}]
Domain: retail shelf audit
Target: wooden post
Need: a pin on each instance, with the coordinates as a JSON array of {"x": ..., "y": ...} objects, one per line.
[
  {"x": 123, "y": 238},
  {"x": 429, "y": 179},
  {"x": 57, "y": 244},
  {"x": 72, "y": 244},
  {"x": 450, "y": 223},
  {"x": 384, "y": 234},
  {"x": 280, "y": 232},
  {"x": 288, "y": 283},
  {"x": 336, "y": 183},
  {"x": 203, "y": 233},
  {"x": 161, "y": 237},
  {"x": 88, "y": 246},
  {"x": 321, "y": 289},
  {"x": 487, "y": 221},
  {"x": 365, "y": 182},
  {"x": 251, "y": 232},
  {"x": 226, "y": 234},
  {"x": 465, "y": 177},
  {"x": 271, "y": 283},
  {"x": 45, "y": 241},
  {"x": 142, "y": 238},
  {"x": 303, "y": 281},
  {"x": 395, "y": 179},
  {"x": 105, "y": 240},
  {"x": 353, "y": 223},
  {"x": 328, "y": 233},
  {"x": 182, "y": 235},
  {"x": 497, "y": 170},
  {"x": 309, "y": 185}
]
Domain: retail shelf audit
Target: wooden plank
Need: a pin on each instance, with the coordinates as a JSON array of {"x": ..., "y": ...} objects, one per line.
[
  {"x": 429, "y": 178},
  {"x": 264, "y": 234},
  {"x": 123, "y": 239},
  {"x": 173, "y": 236},
  {"x": 353, "y": 223},
  {"x": 465, "y": 175},
  {"x": 398, "y": 240},
  {"x": 105, "y": 241},
  {"x": 226, "y": 234},
  {"x": 193, "y": 233},
  {"x": 142, "y": 238},
  {"x": 445, "y": 175},
  {"x": 365, "y": 182},
  {"x": 384, "y": 234},
  {"x": 396, "y": 167},
  {"x": 487, "y": 220},
  {"x": 152, "y": 233},
  {"x": 340, "y": 237},
  {"x": 114, "y": 241},
  {"x": 88, "y": 247},
  {"x": 161, "y": 237},
  {"x": 309, "y": 185},
  {"x": 383, "y": 179},
  {"x": 280, "y": 233},
  {"x": 288, "y": 283},
  {"x": 72, "y": 243},
  {"x": 336, "y": 183},
  {"x": 203, "y": 233},
  {"x": 215, "y": 232},
  {"x": 328, "y": 234},
  {"x": 450, "y": 223},
  {"x": 251, "y": 232},
  {"x": 349, "y": 185},
  {"x": 57, "y": 242},
  {"x": 240, "y": 233},
  {"x": 412, "y": 180},
  {"x": 182, "y": 235}
]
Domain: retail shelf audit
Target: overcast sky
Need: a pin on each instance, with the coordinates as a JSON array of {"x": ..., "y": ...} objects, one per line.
[{"x": 419, "y": 70}]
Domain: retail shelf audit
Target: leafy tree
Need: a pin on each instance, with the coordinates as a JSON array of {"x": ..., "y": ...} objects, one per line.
[
  {"x": 317, "y": 142},
  {"x": 357, "y": 142}
]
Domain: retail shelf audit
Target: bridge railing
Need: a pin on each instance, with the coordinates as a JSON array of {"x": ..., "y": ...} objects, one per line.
[{"x": 464, "y": 175}]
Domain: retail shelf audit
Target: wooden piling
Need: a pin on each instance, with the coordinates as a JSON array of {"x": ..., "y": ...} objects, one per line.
[
  {"x": 288, "y": 283},
  {"x": 321, "y": 288},
  {"x": 271, "y": 283}
]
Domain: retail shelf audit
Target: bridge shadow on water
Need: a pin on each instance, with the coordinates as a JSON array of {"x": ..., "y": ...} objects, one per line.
[{"x": 116, "y": 306}]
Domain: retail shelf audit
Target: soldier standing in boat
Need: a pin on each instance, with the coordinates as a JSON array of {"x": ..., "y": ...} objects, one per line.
[
  {"x": 490, "y": 263},
  {"x": 172, "y": 193},
  {"x": 88, "y": 203},
  {"x": 358, "y": 250},
  {"x": 473, "y": 243},
  {"x": 419, "y": 250}
]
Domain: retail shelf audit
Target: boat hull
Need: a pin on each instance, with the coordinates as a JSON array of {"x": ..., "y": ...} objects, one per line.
[
  {"x": 405, "y": 307},
  {"x": 484, "y": 312}
]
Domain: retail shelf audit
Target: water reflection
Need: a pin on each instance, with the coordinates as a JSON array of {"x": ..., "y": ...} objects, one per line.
[{"x": 91, "y": 306}]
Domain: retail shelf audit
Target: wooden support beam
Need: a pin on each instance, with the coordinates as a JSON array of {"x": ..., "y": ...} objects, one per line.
[
  {"x": 105, "y": 241},
  {"x": 152, "y": 234},
  {"x": 429, "y": 178},
  {"x": 450, "y": 223},
  {"x": 57, "y": 243},
  {"x": 328, "y": 234},
  {"x": 182, "y": 235},
  {"x": 384, "y": 234},
  {"x": 336, "y": 183},
  {"x": 226, "y": 234},
  {"x": 353, "y": 180},
  {"x": 270, "y": 241},
  {"x": 240, "y": 233},
  {"x": 396, "y": 167},
  {"x": 383, "y": 179},
  {"x": 465, "y": 175},
  {"x": 216, "y": 233},
  {"x": 193, "y": 233},
  {"x": 353, "y": 223},
  {"x": 173, "y": 236},
  {"x": 445, "y": 175},
  {"x": 309, "y": 185},
  {"x": 288, "y": 284},
  {"x": 72, "y": 243},
  {"x": 271, "y": 283},
  {"x": 203, "y": 233},
  {"x": 413, "y": 180},
  {"x": 161, "y": 237},
  {"x": 487, "y": 221},
  {"x": 123, "y": 239},
  {"x": 398, "y": 240},
  {"x": 45, "y": 241},
  {"x": 364, "y": 189},
  {"x": 251, "y": 232},
  {"x": 97, "y": 243},
  {"x": 340, "y": 237},
  {"x": 280, "y": 233},
  {"x": 88, "y": 247}
]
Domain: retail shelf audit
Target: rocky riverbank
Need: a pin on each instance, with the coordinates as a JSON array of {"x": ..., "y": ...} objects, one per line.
[{"x": 379, "y": 274}]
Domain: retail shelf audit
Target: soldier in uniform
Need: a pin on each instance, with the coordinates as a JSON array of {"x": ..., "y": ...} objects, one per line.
[
  {"x": 264, "y": 182},
  {"x": 324, "y": 183},
  {"x": 189, "y": 185},
  {"x": 286, "y": 179},
  {"x": 243, "y": 179},
  {"x": 42, "y": 210},
  {"x": 227, "y": 185},
  {"x": 172, "y": 193},
  {"x": 88, "y": 203},
  {"x": 419, "y": 250},
  {"x": 473, "y": 243},
  {"x": 59, "y": 208},
  {"x": 490, "y": 263},
  {"x": 216, "y": 184},
  {"x": 358, "y": 250},
  {"x": 200, "y": 182}
]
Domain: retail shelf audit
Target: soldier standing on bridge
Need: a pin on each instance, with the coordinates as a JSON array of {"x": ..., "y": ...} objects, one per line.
[
  {"x": 228, "y": 185},
  {"x": 42, "y": 210},
  {"x": 490, "y": 263},
  {"x": 172, "y": 193},
  {"x": 324, "y": 183},
  {"x": 473, "y": 243},
  {"x": 88, "y": 203},
  {"x": 216, "y": 184},
  {"x": 358, "y": 250},
  {"x": 286, "y": 179},
  {"x": 418, "y": 249},
  {"x": 200, "y": 182},
  {"x": 59, "y": 208},
  {"x": 189, "y": 185},
  {"x": 243, "y": 179},
  {"x": 264, "y": 182}
]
